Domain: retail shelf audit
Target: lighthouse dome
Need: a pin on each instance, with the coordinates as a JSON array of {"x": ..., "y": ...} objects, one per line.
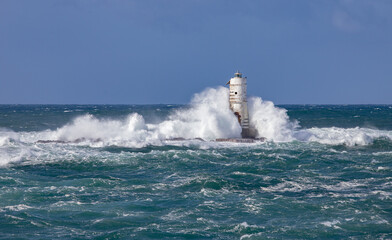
[{"x": 238, "y": 74}]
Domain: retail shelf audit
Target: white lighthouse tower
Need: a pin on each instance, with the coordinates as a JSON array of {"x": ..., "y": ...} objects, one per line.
[{"x": 239, "y": 104}]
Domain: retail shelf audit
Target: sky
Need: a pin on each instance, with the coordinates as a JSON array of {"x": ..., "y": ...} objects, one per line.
[{"x": 164, "y": 51}]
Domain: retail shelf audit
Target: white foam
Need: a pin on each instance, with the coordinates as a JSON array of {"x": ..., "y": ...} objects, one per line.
[
  {"x": 343, "y": 186},
  {"x": 3, "y": 140},
  {"x": 6, "y": 136},
  {"x": 336, "y": 136},
  {"x": 290, "y": 186},
  {"x": 105, "y": 131},
  {"x": 12, "y": 154},
  {"x": 19, "y": 207},
  {"x": 208, "y": 117},
  {"x": 246, "y": 236},
  {"x": 244, "y": 225},
  {"x": 270, "y": 122},
  {"x": 330, "y": 223}
]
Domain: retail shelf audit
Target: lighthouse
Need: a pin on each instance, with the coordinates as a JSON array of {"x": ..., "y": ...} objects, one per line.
[{"x": 239, "y": 104}]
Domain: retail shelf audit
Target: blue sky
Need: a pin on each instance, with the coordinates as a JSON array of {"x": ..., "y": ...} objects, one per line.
[{"x": 144, "y": 52}]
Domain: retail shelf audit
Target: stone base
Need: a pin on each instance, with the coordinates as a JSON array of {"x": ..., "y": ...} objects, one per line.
[
  {"x": 240, "y": 140},
  {"x": 249, "y": 133}
]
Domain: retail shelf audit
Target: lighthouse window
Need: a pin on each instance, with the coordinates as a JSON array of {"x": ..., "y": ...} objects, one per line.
[{"x": 235, "y": 92}]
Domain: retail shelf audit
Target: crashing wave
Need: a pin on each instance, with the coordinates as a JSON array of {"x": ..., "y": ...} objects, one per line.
[{"x": 209, "y": 117}]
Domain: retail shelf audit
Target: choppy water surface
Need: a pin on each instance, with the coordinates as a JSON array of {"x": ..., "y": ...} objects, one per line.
[{"x": 113, "y": 173}]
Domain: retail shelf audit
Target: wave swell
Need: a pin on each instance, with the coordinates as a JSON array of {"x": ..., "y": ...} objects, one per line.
[{"x": 208, "y": 117}]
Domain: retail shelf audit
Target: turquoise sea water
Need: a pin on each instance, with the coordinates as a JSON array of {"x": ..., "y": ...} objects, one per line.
[{"x": 104, "y": 172}]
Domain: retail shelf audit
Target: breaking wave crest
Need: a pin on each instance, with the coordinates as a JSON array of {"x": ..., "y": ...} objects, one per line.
[
  {"x": 208, "y": 117},
  {"x": 341, "y": 136},
  {"x": 270, "y": 121}
]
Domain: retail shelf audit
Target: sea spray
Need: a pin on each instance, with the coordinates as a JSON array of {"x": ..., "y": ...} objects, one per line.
[
  {"x": 122, "y": 179},
  {"x": 271, "y": 122},
  {"x": 339, "y": 136},
  {"x": 208, "y": 116}
]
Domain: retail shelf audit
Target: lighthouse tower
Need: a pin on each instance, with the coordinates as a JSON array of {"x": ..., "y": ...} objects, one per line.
[{"x": 239, "y": 104}]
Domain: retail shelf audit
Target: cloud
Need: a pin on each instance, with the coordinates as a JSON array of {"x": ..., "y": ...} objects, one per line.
[
  {"x": 356, "y": 15},
  {"x": 343, "y": 21}
]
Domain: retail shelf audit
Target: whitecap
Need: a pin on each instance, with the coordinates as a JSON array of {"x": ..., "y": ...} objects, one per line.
[
  {"x": 208, "y": 117},
  {"x": 330, "y": 223}
]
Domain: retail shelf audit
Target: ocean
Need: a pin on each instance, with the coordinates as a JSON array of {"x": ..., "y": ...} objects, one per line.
[{"x": 156, "y": 172}]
